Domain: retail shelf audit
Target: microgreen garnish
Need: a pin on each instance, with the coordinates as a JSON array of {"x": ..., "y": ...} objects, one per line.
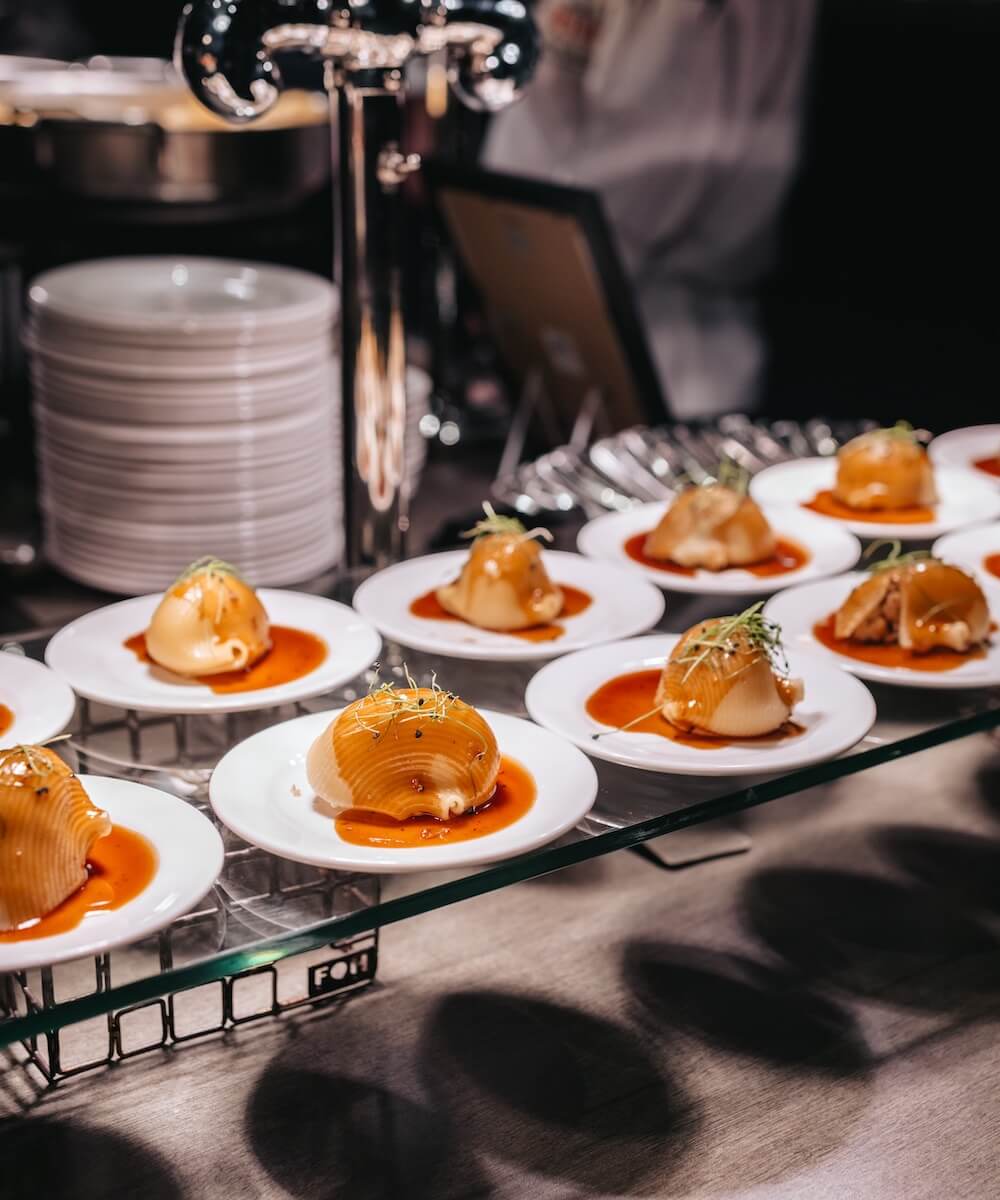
[
  {"x": 596, "y": 737},
  {"x": 208, "y": 565},
  {"x": 749, "y": 627},
  {"x": 386, "y": 705},
  {"x": 35, "y": 762},
  {"x": 895, "y": 559},
  {"x": 902, "y": 430},
  {"x": 387, "y": 708},
  {"x": 728, "y": 474},
  {"x": 493, "y": 523},
  {"x": 733, "y": 475}
]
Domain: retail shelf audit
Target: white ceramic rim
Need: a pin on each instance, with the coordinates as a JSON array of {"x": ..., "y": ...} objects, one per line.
[
  {"x": 969, "y": 496},
  {"x": 76, "y": 293},
  {"x": 384, "y": 599},
  {"x": 832, "y": 727},
  {"x": 42, "y": 704},
  {"x": 90, "y": 656},
  {"x": 245, "y": 786},
  {"x": 190, "y": 854},
  {"x": 603, "y": 539},
  {"x": 798, "y": 610}
]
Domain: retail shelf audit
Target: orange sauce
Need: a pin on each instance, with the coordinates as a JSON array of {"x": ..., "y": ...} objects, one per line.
[
  {"x": 787, "y": 556},
  {"x": 891, "y": 654},
  {"x": 992, "y": 564},
  {"x": 514, "y": 795},
  {"x": 828, "y": 505},
  {"x": 293, "y": 653},
  {"x": 575, "y": 601},
  {"x": 6, "y": 718},
  {"x": 120, "y": 866},
  {"x": 632, "y": 697},
  {"x": 990, "y": 465}
]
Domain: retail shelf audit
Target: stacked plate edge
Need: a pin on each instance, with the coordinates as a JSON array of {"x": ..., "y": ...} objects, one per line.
[{"x": 183, "y": 407}]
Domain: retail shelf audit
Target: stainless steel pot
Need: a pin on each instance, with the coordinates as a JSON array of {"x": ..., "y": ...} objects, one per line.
[
  {"x": 105, "y": 160},
  {"x": 133, "y": 134}
]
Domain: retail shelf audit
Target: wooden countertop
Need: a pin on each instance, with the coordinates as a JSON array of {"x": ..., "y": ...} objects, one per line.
[{"x": 814, "y": 1018}]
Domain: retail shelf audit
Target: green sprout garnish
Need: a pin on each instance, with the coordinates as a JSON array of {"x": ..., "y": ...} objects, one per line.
[
  {"x": 30, "y": 752},
  {"x": 393, "y": 710},
  {"x": 729, "y": 474},
  {"x": 493, "y": 523},
  {"x": 733, "y": 475},
  {"x": 751, "y": 626},
  {"x": 895, "y": 559},
  {"x": 902, "y": 430},
  {"x": 208, "y": 565},
  {"x": 393, "y": 706}
]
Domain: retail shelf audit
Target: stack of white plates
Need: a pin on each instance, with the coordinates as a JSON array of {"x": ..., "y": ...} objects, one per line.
[{"x": 186, "y": 407}]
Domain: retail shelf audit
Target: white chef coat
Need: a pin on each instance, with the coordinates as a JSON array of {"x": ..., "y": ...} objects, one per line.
[{"x": 685, "y": 116}]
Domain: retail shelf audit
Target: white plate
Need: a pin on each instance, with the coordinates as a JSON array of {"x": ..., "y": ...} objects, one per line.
[
  {"x": 274, "y": 531},
  {"x": 123, "y": 555},
  {"x": 41, "y": 703},
  {"x": 623, "y": 604},
  {"x": 170, "y": 293},
  {"x": 965, "y": 498},
  {"x": 832, "y": 549},
  {"x": 231, "y": 366},
  {"x": 837, "y": 712},
  {"x": 798, "y": 610},
  {"x": 968, "y": 547},
  {"x": 961, "y": 448},
  {"x": 260, "y": 790},
  {"x": 59, "y": 493},
  {"x": 134, "y": 582},
  {"x": 207, "y": 479},
  {"x": 107, "y": 358},
  {"x": 137, "y": 581},
  {"x": 276, "y": 432},
  {"x": 151, "y": 391},
  {"x": 190, "y": 855},
  {"x": 91, "y": 656}
]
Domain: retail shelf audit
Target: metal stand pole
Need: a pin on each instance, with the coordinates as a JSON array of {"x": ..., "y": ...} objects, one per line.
[
  {"x": 373, "y": 350},
  {"x": 229, "y": 60}
]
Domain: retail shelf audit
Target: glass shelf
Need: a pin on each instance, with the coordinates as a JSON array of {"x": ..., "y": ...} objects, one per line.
[{"x": 267, "y": 916}]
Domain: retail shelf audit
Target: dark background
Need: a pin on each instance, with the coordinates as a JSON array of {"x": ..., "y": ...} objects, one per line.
[{"x": 883, "y": 299}]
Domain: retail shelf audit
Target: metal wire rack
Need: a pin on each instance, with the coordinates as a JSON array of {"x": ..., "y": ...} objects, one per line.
[{"x": 257, "y": 895}]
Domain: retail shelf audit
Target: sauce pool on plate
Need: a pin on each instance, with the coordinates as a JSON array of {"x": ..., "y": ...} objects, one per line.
[
  {"x": 119, "y": 868},
  {"x": 892, "y": 654},
  {"x": 293, "y": 654},
  {"x": 6, "y": 718},
  {"x": 992, "y": 564},
  {"x": 632, "y": 697},
  {"x": 787, "y": 556},
  {"x": 827, "y": 505},
  {"x": 575, "y": 601},
  {"x": 514, "y": 796},
  {"x": 990, "y": 465}
]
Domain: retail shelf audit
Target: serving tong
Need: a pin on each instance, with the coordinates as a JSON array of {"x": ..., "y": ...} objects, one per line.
[{"x": 644, "y": 464}]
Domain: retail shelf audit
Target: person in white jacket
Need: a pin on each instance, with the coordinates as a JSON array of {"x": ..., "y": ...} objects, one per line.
[{"x": 685, "y": 116}]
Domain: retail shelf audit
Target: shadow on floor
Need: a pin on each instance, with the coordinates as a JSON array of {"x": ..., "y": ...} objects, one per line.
[
  {"x": 322, "y": 1135},
  {"x": 987, "y": 780},
  {"x": 905, "y": 943},
  {"x": 742, "y": 1006},
  {"x": 553, "y": 1089},
  {"x": 963, "y": 866},
  {"x": 64, "y": 1160}
]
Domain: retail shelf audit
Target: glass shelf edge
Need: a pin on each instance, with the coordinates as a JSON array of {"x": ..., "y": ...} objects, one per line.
[{"x": 542, "y": 862}]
